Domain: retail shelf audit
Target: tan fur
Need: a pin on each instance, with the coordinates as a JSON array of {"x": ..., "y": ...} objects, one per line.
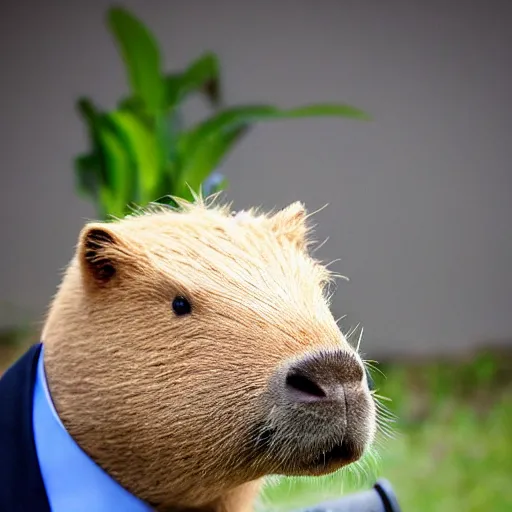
[{"x": 171, "y": 406}]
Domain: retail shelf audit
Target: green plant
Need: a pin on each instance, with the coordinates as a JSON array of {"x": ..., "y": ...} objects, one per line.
[{"x": 142, "y": 151}]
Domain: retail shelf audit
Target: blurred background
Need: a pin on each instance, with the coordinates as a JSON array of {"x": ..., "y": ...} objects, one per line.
[{"x": 418, "y": 196}]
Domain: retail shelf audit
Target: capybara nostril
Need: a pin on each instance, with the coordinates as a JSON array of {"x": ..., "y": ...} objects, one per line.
[
  {"x": 302, "y": 388},
  {"x": 322, "y": 376}
]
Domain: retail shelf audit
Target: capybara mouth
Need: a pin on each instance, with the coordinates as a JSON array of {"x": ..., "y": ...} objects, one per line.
[
  {"x": 301, "y": 460},
  {"x": 306, "y": 462},
  {"x": 338, "y": 456}
]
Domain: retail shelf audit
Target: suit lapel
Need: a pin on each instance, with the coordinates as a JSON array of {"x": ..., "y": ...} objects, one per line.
[{"x": 21, "y": 485}]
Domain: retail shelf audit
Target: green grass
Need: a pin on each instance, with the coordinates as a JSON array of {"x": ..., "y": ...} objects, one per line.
[{"x": 452, "y": 449}]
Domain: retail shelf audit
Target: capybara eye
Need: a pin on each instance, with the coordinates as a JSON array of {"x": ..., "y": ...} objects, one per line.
[{"x": 181, "y": 306}]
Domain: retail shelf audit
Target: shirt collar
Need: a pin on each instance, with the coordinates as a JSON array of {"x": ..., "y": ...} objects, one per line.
[{"x": 73, "y": 481}]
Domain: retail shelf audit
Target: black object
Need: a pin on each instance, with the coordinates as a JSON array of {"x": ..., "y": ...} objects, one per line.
[
  {"x": 381, "y": 498},
  {"x": 21, "y": 484}
]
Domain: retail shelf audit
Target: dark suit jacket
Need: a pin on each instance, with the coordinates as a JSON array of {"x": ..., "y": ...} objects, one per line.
[{"x": 21, "y": 484}]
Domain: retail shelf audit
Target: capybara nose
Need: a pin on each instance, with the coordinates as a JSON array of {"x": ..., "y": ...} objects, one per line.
[{"x": 323, "y": 376}]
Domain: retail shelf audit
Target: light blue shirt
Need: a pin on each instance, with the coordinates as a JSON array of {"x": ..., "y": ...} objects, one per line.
[{"x": 73, "y": 481}]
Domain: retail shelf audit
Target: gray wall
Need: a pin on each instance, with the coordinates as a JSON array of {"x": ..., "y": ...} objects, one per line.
[{"x": 419, "y": 199}]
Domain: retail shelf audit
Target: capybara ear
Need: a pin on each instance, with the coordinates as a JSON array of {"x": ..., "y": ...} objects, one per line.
[
  {"x": 290, "y": 223},
  {"x": 99, "y": 252}
]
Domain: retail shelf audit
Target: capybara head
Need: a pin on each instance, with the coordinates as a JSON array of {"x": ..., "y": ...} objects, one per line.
[{"x": 192, "y": 350}]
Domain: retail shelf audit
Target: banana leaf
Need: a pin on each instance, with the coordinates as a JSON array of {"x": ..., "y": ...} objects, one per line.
[
  {"x": 232, "y": 117},
  {"x": 142, "y": 57},
  {"x": 200, "y": 163}
]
